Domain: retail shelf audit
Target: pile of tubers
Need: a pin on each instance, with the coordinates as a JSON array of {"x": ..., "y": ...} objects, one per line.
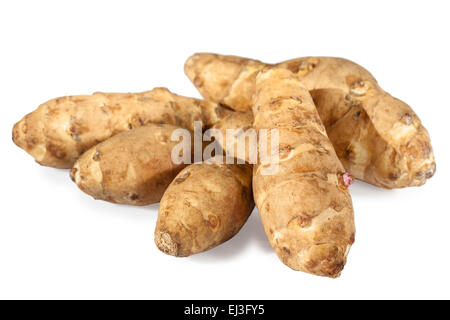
[{"x": 334, "y": 123}]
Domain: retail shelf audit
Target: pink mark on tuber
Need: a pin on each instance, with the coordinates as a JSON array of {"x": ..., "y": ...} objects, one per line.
[{"x": 347, "y": 178}]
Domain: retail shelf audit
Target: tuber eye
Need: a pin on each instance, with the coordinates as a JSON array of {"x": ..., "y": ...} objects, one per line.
[
  {"x": 304, "y": 67},
  {"x": 285, "y": 151},
  {"x": 96, "y": 156},
  {"x": 304, "y": 222},
  {"x": 213, "y": 221},
  {"x": 407, "y": 119},
  {"x": 183, "y": 177},
  {"x": 347, "y": 179},
  {"x": 420, "y": 174},
  {"x": 430, "y": 173},
  {"x": 356, "y": 115},
  {"x": 393, "y": 176},
  {"x": 73, "y": 172},
  {"x": 359, "y": 88},
  {"x": 132, "y": 196},
  {"x": 75, "y": 137}
]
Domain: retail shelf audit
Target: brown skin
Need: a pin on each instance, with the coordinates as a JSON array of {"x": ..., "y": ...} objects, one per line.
[
  {"x": 378, "y": 138},
  {"x": 60, "y": 130},
  {"x": 133, "y": 167},
  {"x": 305, "y": 207},
  {"x": 204, "y": 206}
]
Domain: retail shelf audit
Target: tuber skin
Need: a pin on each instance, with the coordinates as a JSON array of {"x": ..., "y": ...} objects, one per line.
[
  {"x": 133, "y": 167},
  {"x": 204, "y": 206},
  {"x": 60, "y": 130},
  {"x": 378, "y": 138},
  {"x": 305, "y": 207}
]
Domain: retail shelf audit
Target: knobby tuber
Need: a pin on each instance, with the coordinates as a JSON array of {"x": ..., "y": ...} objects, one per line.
[
  {"x": 60, "y": 130},
  {"x": 378, "y": 138},
  {"x": 305, "y": 206},
  {"x": 132, "y": 167},
  {"x": 204, "y": 206}
]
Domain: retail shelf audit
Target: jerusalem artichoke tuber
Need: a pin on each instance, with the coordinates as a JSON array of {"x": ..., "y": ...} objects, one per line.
[
  {"x": 60, "y": 130},
  {"x": 133, "y": 167},
  {"x": 378, "y": 138},
  {"x": 305, "y": 207},
  {"x": 204, "y": 206}
]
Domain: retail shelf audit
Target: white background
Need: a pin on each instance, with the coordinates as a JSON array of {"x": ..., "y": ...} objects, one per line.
[{"x": 56, "y": 242}]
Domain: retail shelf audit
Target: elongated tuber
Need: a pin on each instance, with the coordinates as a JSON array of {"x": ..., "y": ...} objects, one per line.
[
  {"x": 378, "y": 138},
  {"x": 133, "y": 167},
  {"x": 60, "y": 130},
  {"x": 305, "y": 207},
  {"x": 204, "y": 206}
]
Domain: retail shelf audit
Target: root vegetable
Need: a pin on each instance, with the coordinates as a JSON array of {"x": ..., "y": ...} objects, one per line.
[
  {"x": 60, "y": 130},
  {"x": 305, "y": 207},
  {"x": 378, "y": 138},
  {"x": 204, "y": 206},
  {"x": 133, "y": 167}
]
